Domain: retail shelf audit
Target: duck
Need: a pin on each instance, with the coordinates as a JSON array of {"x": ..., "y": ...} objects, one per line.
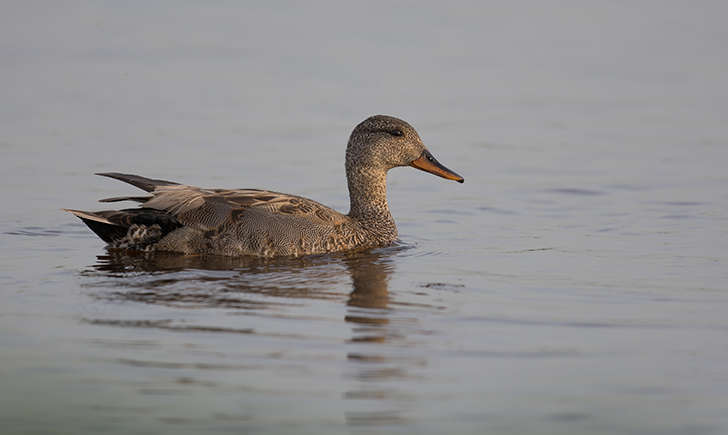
[{"x": 190, "y": 220}]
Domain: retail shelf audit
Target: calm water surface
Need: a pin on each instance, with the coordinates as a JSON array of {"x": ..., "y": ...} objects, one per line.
[{"x": 576, "y": 283}]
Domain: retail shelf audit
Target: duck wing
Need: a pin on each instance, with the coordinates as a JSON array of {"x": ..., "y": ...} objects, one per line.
[
  {"x": 171, "y": 205},
  {"x": 208, "y": 209}
]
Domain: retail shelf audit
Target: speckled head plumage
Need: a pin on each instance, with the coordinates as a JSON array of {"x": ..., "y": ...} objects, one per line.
[
  {"x": 377, "y": 144},
  {"x": 383, "y": 142}
]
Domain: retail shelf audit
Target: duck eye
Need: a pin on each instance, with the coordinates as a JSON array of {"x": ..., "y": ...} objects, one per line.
[{"x": 396, "y": 133}]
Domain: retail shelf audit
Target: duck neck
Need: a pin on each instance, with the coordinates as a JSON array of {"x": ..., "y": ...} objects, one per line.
[{"x": 368, "y": 199}]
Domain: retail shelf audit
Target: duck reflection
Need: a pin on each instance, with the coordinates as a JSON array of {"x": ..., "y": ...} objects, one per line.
[
  {"x": 374, "y": 361},
  {"x": 160, "y": 278},
  {"x": 216, "y": 282},
  {"x": 368, "y": 301},
  {"x": 376, "y": 351}
]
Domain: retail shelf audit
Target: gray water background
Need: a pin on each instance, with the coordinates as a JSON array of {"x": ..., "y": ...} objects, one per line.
[{"x": 576, "y": 283}]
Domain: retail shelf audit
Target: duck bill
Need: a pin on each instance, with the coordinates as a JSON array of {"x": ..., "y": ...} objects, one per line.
[{"x": 429, "y": 164}]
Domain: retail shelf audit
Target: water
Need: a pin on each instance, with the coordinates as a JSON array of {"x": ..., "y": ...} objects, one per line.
[{"x": 576, "y": 283}]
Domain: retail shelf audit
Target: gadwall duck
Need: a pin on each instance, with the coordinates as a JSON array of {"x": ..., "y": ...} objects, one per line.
[{"x": 236, "y": 222}]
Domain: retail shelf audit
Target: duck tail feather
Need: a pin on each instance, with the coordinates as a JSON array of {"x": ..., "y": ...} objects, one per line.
[
  {"x": 143, "y": 183},
  {"x": 104, "y": 228},
  {"x": 126, "y": 198}
]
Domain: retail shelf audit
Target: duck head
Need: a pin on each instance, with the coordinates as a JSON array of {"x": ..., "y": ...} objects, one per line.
[{"x": 383, "y": 142}]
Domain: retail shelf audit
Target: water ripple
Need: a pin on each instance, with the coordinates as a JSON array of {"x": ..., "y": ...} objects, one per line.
[{"x": 577, "y": 191}]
